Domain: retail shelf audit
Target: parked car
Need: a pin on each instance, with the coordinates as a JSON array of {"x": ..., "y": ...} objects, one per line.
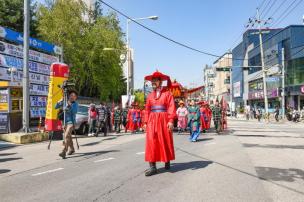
[{"x": 82, "y": 117}]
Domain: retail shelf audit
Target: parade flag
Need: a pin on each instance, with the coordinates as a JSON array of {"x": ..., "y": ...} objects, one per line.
[{"x": 59, "y": 73}]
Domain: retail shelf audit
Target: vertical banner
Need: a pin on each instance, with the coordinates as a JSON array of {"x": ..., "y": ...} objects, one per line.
[{"x": 59, "y": 73}]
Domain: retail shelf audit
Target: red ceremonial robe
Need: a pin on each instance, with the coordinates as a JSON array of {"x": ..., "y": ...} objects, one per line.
[
  {"x": 209, "y": 117},
  {"x": 143, "y": 116},
  {"x": 132, "y": 123},
  {"x": 159, "y": 139},
  {"x": 204, "y": 118}
]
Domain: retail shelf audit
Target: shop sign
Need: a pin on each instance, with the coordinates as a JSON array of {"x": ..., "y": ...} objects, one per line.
[
  {"x": 13, "y": 62},
  {"x": 16, "y": 105},
  {"x": 17, "y": 37},
  {"x": 237, "y": 89},
  {"x": 4, "y": 100},
  {"x": 17, "y": 51},
  {"x": 36, "y": 112},
  {"x": 36, "y": 89},
  {"x": 302, "y": 89},
  {"x": 3, "y": 122},
  {"x": 38, "y": 101}
]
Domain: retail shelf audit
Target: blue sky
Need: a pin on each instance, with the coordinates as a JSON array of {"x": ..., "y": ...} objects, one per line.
[{"x": 209, "y": 25}]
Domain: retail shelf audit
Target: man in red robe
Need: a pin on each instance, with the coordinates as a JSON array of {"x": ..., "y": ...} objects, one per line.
[
  {"x": 204, "y": 116},
  {"x": 160, "y": 115},
  {"x": 132, "y": 118}
]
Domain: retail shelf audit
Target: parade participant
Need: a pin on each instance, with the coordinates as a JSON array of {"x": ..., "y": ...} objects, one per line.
[
  {"x": 224, "y": 107},
  {"x": 93, "y": 115},
  {"x": 117, "y": 119},
  {"x": 132, "y": 118},
  {"x": 194, "y": 121},
  {"x": 209, "y": 115},
  {"x": 182, "y": 113},
  {"x": 160, "y": 115},
  {"x": 125, "y": 118},
  {"x": 217, "y": 116},
  {"x": 70, "y": 119},
  {"x": 204, "y": 113},
  {"x": 138, "y": 117}
]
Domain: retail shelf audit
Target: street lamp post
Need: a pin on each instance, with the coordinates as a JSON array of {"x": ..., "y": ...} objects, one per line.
[
  {"x": 128, "y": 47},
  {"x": 26, "y": 96}
]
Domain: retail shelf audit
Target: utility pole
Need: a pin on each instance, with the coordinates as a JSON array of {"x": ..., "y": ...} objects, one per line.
[
  {"x": 283, "y": 83},
  {"x": 259, "y": 21},
  {"x": 26, "y": 97}
]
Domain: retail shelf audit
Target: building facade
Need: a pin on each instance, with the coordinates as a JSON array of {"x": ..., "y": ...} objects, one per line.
[
  {"x": 209, "y": 81},
  {"x": 248, "y": 82},
  {"x": 221, "y": 67}
]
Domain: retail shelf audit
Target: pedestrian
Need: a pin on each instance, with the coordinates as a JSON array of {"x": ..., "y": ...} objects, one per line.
[
  {"x": 102, "y": 119},
  {"x": 160, "y": 115},
  {"x": 132, "y": 118},
  {"x": 194, "y": 121},
  {"x": 117, "y": 119},
  {"x": 247, "y": 111},
  {"x": 217, "y": 116},
  {"x": 93, "y": 115},
  {"x": 70, "y": 110},
  {"x": 125, "y": 118},
  {"x": 276, "y": 113},
  {"x": 204, "y": 116},
  {"x": 182, "y": 114},
  {"x": 138, "y": 117}
]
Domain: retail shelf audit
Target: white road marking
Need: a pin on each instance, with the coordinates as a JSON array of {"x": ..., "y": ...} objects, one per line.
[
  {"x": 101, "y": 160},
  {"x": 140, "y": 153},
  {"x": 48, "y": 171},
  {"x": 210, "y": 143}
]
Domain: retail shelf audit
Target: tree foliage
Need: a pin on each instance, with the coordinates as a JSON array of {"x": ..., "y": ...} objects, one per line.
[
  {"x": 83, "y": 36},
  {"x": 140, "y": 98},
  {"x": 11, "y": 15}
]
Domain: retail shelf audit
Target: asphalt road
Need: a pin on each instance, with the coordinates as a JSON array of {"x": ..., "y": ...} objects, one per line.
[{"x": 250, "y": 162}]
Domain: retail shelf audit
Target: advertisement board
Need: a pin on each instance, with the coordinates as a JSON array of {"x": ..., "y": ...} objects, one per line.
[
  {"x": 17, "y": 51},
  {"x": 3, "y": 100}
]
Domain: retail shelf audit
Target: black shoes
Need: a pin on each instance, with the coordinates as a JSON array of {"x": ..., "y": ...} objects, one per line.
[
  {"x": 167, "y": 166},
  {"x": 71, "y": 152},
  {"x": 62, "y": 155},
  {"x": 151, "y": 171}
]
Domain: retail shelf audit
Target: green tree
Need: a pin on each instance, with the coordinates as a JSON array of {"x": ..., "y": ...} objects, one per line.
[
  {"x": 11, "y": 15},
  {"x": 140, "y": 98},
  {"x": 97, "y": 73}
]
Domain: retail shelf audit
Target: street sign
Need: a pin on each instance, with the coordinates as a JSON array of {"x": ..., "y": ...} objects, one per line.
[{"x": 223, "y": 69}]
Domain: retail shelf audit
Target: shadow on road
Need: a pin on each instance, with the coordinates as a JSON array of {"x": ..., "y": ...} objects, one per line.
[
  {"x": 9, "y": 159},
  {"x": 274, "y": 136},
  {"x": 278, "y": 174},
  {"x": 89, "y": 155},
  {"x": 7, "y": 154},
  {"x": 193, "y": 165},
  {"x": 272, "y": 146},
  {"x": 98, "y": 142},
  {"x": 2, "y": 171},
  {"x": 204, "y": 139}
]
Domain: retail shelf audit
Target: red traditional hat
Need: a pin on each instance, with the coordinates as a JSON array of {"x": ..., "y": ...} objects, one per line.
[
  {"x": 202, "y": 103},
  {"x": 160, "y": 76}
]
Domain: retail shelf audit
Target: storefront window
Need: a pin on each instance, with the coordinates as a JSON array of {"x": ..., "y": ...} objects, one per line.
[{"x": 295, "y": 72}]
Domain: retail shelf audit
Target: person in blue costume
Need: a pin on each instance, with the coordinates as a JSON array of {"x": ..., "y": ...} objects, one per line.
[{"x": 193, "y": 121}]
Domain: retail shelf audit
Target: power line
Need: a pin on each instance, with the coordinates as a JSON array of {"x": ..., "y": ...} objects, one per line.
[
  {"x": 159, "y": 34},
  {"x": 283, "y": 18},
  {"x": 278, "y": 8},
  {"x": 269, "y": 9},
  {"x": 265, "y": 8}
]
